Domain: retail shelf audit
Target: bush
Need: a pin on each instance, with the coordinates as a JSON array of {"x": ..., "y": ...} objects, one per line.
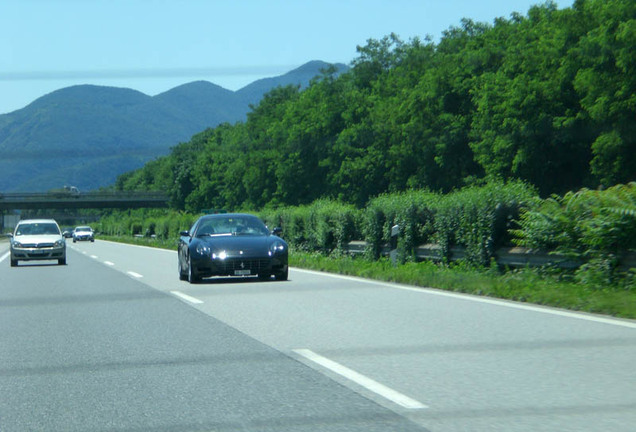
[
  {"x": 412, "y": 211},
  {"x": 591, "y": 225},
  {"x": 477, "y": 218},
  {"x": 324, "y": 225},
  {"x": 480, "y": 218}
]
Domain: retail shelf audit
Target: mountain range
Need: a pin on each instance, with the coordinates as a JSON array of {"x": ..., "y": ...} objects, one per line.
[{"x": 88, "y": 135}]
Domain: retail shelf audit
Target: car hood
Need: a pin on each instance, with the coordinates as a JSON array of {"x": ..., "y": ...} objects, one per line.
[
  {"x": 248, "y": 245},
  {"x": 32, "y": 239}
]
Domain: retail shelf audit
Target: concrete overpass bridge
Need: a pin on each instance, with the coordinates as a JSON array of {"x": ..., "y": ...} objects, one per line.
[{"x": 88, "y": 200}]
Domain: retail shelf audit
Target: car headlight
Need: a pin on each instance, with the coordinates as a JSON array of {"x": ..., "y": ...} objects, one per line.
[
  {"x": 277, "y": 247},
  {"x": 17, "y": 244},
  {"x": 59, "y": 243},
  {"x": 221, "y": 255},
  {"x": 202, "y": 249}
]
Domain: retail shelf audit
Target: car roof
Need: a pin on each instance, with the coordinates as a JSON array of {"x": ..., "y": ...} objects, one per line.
[
  {"x": 33, "y": 221},
  {"x": 227, "y": 215}
]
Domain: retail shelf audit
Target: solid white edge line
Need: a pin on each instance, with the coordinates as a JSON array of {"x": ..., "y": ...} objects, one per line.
[
  {"x": 186, "y": 297},
  {"x": 133, "y": 274},
  {"x": 5, "y": 256},
  {"x": 366, "y": 382},
  {"x": 108, "y": 263},
  {"x": 488, "y": 300}
]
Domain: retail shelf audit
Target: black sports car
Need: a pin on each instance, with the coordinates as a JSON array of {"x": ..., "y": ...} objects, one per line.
[{"x": 231, "y": 245}]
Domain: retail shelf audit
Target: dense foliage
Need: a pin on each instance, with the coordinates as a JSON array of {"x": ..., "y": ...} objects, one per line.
[
  {"x": 598, "y": 228},
  {"x": 548, "y": 98},
  {"x": 477, "y": 218}
]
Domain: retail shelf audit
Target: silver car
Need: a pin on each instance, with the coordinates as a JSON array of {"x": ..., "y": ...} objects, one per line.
[
  {"x": 83, "y": 233},
  {"x": 37, "y": 239}
]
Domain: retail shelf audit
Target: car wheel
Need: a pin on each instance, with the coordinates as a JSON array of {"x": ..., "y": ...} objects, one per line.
[
  {"x": 192, "y": 276},
  {"x": 74, "y": 240},
  {"x": 282, "y": 276},
  {"x": 14, "y": 263},
  {"x": 61, "y": 261},
  {"x": 182, "y": 276}
]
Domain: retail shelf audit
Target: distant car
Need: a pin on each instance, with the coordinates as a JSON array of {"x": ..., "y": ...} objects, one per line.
[
  {"x": 231, "y": 245},
  {"x": 37, "y": 239},
  {"x": 83, "y": 233},
  {"x": 67, "y": 232}
]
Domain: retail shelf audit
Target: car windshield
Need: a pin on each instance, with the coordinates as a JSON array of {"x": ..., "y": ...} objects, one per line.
[
  {"x": 82, "y": 229},
  {"x": 37, "y": 229},
  {"x": 232, "y": 225}
]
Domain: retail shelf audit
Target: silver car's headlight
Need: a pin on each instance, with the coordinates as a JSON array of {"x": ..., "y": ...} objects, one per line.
[
  {"x": 59, "y": 243},
  {"x": 17, "y": 244}
]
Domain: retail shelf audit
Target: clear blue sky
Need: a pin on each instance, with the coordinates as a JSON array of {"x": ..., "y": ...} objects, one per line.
[{"x": 155, "y": 45}]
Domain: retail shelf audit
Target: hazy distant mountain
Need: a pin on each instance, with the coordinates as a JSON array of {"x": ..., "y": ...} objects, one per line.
[
  {"x": 88, "y": 135},
  {"x": 252, "y": 93}
]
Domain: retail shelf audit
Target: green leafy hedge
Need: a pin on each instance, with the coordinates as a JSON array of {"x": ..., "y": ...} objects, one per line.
[
  {"x": 596, "y": 226},
  {"x": 477, "y": 218},
  {"x": 324, "y": 225},
  {"x": 164, "y": 225}
]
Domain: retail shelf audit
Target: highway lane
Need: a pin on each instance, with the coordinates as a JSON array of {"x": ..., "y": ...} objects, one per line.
[
  {"x": 85, "y": 347},
  {"x": 471, "y": 363}
]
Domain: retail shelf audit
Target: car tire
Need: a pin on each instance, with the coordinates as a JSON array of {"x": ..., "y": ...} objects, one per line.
[
  {"x": 192, "y": 276},
  {"x": 61, "y": 261},
  {"x": 182, "y": 276},
  {"x": 14, "y": 263},
  {"x": 74, "y": 240},
  {"x": 282, "y": 276}
]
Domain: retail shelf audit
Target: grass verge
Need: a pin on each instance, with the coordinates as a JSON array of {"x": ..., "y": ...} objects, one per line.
[{"x": 526, "y": 285}]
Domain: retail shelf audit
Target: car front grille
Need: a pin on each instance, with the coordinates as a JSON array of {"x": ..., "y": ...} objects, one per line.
[
  {"x": 37, "y": 245},
  {"x": 232, "y": 264}
]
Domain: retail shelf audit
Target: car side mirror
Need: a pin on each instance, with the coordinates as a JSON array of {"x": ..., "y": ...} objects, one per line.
[
  {"x": 10, "y": 235},
  {"x": 184, "y": 234},
  {"x": 277, "y": 231}
]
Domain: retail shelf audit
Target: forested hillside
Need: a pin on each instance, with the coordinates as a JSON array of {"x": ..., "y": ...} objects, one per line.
[
  {"x": 548, "y": 97},
  {"x": 87, "y": 135}
]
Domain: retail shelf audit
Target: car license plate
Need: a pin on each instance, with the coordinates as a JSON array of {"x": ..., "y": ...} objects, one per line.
[{"x": 242, "y": 272}]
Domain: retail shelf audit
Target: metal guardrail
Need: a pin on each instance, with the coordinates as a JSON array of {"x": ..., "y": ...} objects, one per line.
[{"x": 514, "y": 257}]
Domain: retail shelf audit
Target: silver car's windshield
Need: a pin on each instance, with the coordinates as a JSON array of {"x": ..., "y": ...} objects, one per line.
[{"x": 37, "y": 229}]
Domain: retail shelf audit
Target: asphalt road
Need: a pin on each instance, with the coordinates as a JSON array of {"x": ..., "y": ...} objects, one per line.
[{"x": 115, "y": 342}]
